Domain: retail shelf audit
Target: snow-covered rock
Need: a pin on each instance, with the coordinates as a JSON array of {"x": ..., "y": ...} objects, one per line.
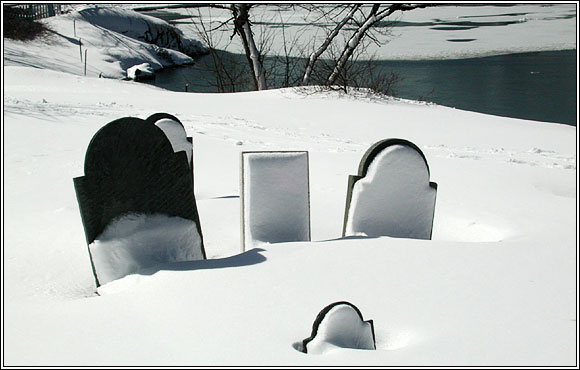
[{"x": 141, "y": 71}]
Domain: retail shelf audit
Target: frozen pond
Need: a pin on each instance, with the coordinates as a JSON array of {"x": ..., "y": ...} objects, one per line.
[{"x": 447, "y": 55}]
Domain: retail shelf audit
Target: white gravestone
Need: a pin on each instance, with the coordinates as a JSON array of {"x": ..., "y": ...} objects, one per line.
[
  {"x": 392, "y": 195},
  {"x": 275, "y": 197}
]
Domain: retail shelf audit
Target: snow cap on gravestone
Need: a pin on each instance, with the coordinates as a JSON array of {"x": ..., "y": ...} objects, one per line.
[
  {"x": 175, "y": 132},
  {"x": 392, "y": 194},
  {"x": 339, "y": 325}
]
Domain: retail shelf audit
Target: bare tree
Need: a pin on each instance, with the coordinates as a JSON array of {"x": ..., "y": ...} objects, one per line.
[
  {"x": 362, "y": 21},
  {"x": 376, "y": 14}
]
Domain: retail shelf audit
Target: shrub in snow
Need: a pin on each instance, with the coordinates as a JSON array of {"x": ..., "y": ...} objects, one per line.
[
  {"x": 339, "y": 325},
  {"x": 275, "y": 195},
  {"x": 131, "y": 168},
  {"x": 392, "y": 194},
  {"x": 175, "y": 132},
  {"x": 141, "y": 71}
]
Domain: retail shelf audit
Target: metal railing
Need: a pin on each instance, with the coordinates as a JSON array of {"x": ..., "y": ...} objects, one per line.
[{"x": 35, "y": 11}]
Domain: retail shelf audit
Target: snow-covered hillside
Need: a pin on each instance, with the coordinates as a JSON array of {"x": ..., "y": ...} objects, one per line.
[
  {"x": 496, "y": 285},
  {"x": 112, "y": 38}
]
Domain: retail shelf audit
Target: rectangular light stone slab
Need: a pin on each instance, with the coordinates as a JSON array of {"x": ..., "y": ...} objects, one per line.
[{"x": 275, "y": 197}]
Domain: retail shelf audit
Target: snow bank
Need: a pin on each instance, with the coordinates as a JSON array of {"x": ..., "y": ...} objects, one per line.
[
  {"x": 113, "y": 40},
  {"x": 275, "y": 197},
  {"x": 393, "y": 197},
  {"x": 143, "y": 28},
  {"x": 136, "y": 241}
]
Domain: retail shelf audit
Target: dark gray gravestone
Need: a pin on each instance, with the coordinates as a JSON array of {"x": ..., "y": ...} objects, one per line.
[
  {"x": 131, "y": 168},
  {"x": 341, "y": 325},
  {"x": 392, "y": 194},
  {"x": 175, "y": 132}
]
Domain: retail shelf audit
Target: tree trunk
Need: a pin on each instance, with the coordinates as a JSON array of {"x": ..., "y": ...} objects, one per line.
[{"x": 242, "y": 27}]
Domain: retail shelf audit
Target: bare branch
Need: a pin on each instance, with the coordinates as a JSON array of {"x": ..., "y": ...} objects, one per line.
[{"x": 314, "y": 56}]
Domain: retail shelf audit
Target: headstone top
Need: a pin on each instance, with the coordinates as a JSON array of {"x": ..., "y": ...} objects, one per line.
[
  {"x": 340, "y": 324},
  {"x": 379, "y": 146},
  {"x": 115, "y": 144}
]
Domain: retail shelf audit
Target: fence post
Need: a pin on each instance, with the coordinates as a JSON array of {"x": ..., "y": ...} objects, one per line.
[
  {"x": 81, "y": 49},
  {"x": 85, "y": 62}
]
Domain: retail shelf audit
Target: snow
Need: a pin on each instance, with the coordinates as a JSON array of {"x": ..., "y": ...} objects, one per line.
[
  {"x": 394, "y": 198},
  {"x": 137, "y": 241},
  {"x": 275, "y": 197},
  {"x": 142, "y": 70},
  {"x": 102, "y": 34},
  {"x": 496, "y": 285},
  {"x": 177, "y": 136}
]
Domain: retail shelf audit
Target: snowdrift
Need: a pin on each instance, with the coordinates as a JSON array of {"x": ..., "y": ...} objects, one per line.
[{"x": 496, "y": 285}]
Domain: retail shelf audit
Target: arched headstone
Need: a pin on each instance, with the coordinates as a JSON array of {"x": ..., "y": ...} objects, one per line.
[
  {"x": 133, "y": 173},
  {"x": 392, "y": 194},
  {"x": 275, "y": 197},
  {"x": 340, "y": 325},
  {"x": 175, "y": 132}
]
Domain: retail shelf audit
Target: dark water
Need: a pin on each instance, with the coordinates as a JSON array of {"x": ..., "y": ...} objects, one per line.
[{"x": 538, "y": 86}]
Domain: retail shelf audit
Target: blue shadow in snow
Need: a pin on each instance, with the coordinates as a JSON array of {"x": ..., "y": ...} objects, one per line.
[
  {"x": 350, "y": 237},
  {"x": 251, "y": 257}
]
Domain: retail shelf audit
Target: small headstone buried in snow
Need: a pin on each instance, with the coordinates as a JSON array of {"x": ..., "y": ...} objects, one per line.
[
  {"x": 175, "y": 132},
  {"x": 275, "y": 197},
  {"x": 132, "y": 173},
  {"x": 140, "y": 72},
  {"x": 392, "y": 194},
  {"x": 339, "y": 325}
]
